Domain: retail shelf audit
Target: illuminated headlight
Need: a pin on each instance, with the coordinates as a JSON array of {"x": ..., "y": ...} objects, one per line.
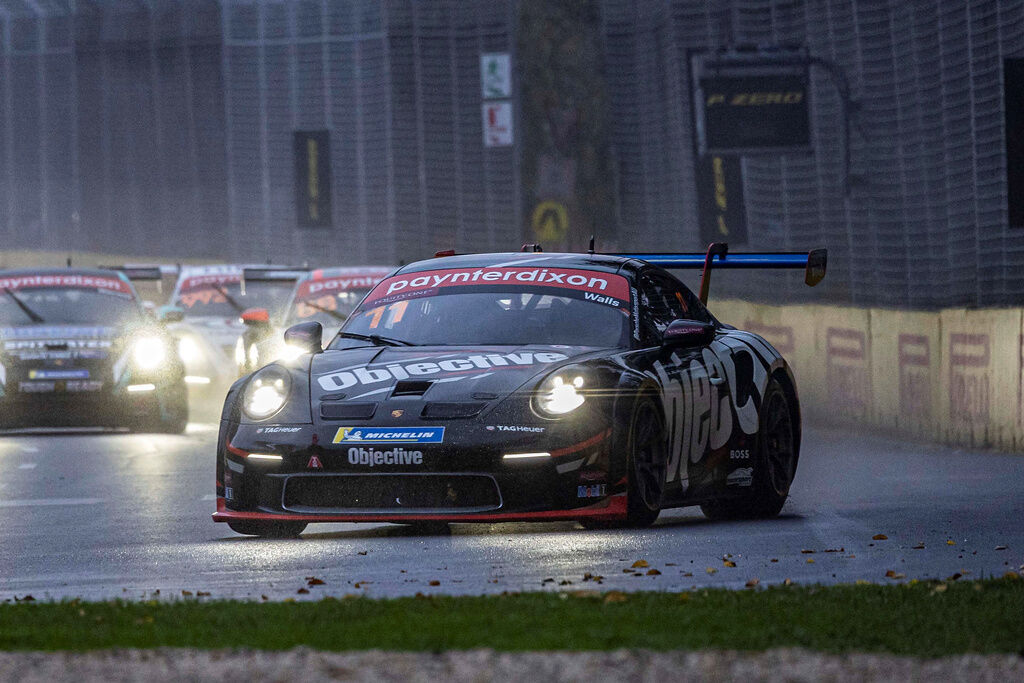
[
  {"x": 289, "y": 352},
  {"x": 149, "y": 352},
  {"x": 240, "y": 352},
  {"x": 189, "y": 350},
  {"x": 560, "y": 393},
  {"x": 266, "y": 393}
]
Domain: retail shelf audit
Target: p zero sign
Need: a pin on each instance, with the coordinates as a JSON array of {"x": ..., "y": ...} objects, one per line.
[
  {"x": 313, "y": 178},
  {"x": 752, "y": 108}
]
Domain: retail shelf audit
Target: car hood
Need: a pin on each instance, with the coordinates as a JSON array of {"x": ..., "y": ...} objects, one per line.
[{"x": 453, "y": 373}]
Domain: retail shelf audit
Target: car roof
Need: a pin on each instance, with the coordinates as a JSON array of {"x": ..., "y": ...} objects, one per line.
[
  {"x": 342, "y": 271},
  {"x": 88, "y": 272},
  {"x": 597, "y": 262}
]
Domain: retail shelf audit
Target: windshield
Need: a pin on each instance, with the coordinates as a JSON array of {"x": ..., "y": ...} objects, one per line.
[
  {"x": 330, "y": 310},
  {"x": 224, "y": 299},
  {"x": 67, "y": 305},
  {"x": 489, "y": 306}
]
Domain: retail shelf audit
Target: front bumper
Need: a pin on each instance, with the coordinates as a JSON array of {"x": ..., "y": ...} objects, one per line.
[
  {"x": 466, "y": 479},
  {"x": 84, "y": 409}
]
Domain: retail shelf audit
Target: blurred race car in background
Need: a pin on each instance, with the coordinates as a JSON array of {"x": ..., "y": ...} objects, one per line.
[
  {"x": 78, "y": 349},
  {"x": 206, "y": 312},
  {"x": 325, "y": 295},
  {"x": 518, "y": 387}
]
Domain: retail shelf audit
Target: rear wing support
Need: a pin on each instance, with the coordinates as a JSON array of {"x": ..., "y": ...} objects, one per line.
[
  {"x": 272, "y": 274},
  {"x": 813, "y": 263}
]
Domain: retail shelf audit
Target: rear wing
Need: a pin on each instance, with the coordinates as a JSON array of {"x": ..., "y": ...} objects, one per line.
[
  {"x": 813, "y": 263},
  {"x": 148, "y": 272},
  {"x": 272, "y": 274}
]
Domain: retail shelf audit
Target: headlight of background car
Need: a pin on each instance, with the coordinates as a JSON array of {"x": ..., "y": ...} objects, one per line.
[
  {"x": 266, "y": 393},
  {"x": 189, "y": 351},
  {"x": 149, "y": 352},
  {"x": 561, "y": 392}
]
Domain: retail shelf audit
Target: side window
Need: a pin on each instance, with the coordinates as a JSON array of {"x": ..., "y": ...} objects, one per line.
[
  {"x": 662, "y": 300},
  {"x": 658, "y": 307}
]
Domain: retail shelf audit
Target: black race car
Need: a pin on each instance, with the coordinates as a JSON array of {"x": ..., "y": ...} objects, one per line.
[
  {"x": 78, "y": 349},
  {"x": 521, "y": 386}
]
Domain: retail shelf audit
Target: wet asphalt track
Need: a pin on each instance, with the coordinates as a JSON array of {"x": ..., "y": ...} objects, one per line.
[{"x": 124, "y": 515}]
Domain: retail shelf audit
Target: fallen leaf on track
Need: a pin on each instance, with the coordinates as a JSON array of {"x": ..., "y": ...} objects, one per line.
[
  {"x": 728, "y": 563},
  {"x": 1000, "y": 547},
  {"x": 313, "y": 581},
  {"x": 302, "y": 591},
  {"x": 879, "y": 537},
  {"x": 919, "y": 546},
  {"x": 711, "y": 570},
  {"x": 434, "y": 582},
  {"x": 787, "y": 582},
  {"x": 640, "y": 564},
  {"x": 950, "y": 542},
  {"x": 807, "y": 552},
  {"x": 752, "y": 583},
  {"x": 653, "y": 572},
  {"x": 810, "y": 560},
  {"x": 890, "y": 574}
]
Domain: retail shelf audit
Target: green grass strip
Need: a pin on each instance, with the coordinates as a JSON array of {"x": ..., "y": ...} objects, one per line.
[{"x": 919, "y": 619}]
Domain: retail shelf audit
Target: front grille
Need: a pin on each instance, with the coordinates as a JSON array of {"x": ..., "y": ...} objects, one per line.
[
  {"x": 438, "y": 410},
  {"x": 347, "y": 411},
  {"x": 393, "y": 493}
]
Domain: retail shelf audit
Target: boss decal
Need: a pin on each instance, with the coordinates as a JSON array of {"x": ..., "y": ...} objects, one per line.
[
  {"x": 477, "y": 363},
  {"x": 389, "y": 435}
]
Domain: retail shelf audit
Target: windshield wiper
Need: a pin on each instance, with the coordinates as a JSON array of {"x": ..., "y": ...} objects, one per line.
[
  {"x": 376, "y": 339},
  {"x": 227, "y": 297},
  {"x": 35, "y": 317},
  {"x": 333, "y": 314}
]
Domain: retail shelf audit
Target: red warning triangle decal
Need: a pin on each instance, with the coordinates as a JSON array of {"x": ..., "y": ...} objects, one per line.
[{"x": 314, "y": 463}]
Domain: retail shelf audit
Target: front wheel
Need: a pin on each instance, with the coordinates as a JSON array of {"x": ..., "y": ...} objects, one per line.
[
  {"x": 268, "y": 529},
  {"x": 646, "y": 460},
  {"x": 774, "y": 468}
]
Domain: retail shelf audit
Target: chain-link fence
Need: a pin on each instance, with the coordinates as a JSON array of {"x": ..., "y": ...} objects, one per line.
[{"x": 168, "y": 127}]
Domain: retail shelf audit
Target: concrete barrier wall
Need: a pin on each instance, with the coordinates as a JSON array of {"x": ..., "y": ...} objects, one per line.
[{"x": 953, "y": 376}]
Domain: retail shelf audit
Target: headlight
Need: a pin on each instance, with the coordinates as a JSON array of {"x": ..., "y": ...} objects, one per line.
[
  {"x": 254, "y": 356},
  {"x": 240, "y": 352},
  {"x": 189, "y": 351},
  {"x": 560, "y": 393},
  {"x": 266, "y": 393},
  {"x": 149, "y": 352},
  {"x": 289, "y": 352}
]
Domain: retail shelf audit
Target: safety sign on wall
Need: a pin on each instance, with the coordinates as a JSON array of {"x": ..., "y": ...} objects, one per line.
[
  {"x": 497, "y": 124},
  {"x": 550, "y": 221},
  {"x": 495, "y": 75}
]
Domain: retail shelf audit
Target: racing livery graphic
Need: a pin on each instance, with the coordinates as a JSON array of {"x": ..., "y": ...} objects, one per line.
[
  {"x": 77, "y": 348},
  {"x": 524, "y": 386}
]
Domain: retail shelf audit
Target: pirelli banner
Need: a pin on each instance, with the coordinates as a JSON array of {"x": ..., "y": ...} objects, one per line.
[
  {"x": 313, "y": 178},
  {"x": 752, "y": 107}
]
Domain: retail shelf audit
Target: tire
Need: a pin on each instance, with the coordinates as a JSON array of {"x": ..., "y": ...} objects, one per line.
[
  {"x": 774, "y": 468},
  {"x": 646, "y": 456},
  {"x": 268, "y": 529}
]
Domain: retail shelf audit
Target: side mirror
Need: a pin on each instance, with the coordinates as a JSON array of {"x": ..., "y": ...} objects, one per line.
[
  {"x": 687, "y": 334},
  {"x": 256, "y": 316},
  {"x": 171, "y": 314},
  {"x": 306, "y": 336}
]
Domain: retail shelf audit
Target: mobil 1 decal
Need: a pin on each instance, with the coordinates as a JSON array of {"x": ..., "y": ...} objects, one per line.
[
  {"x": 701, "y": 416},
  {"x": 600, "y": 287}
]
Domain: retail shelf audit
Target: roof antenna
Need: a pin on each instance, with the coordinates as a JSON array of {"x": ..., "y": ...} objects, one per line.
[
  {"x": 591, "y": 249},
  {"x": 69, "y": 261}
]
